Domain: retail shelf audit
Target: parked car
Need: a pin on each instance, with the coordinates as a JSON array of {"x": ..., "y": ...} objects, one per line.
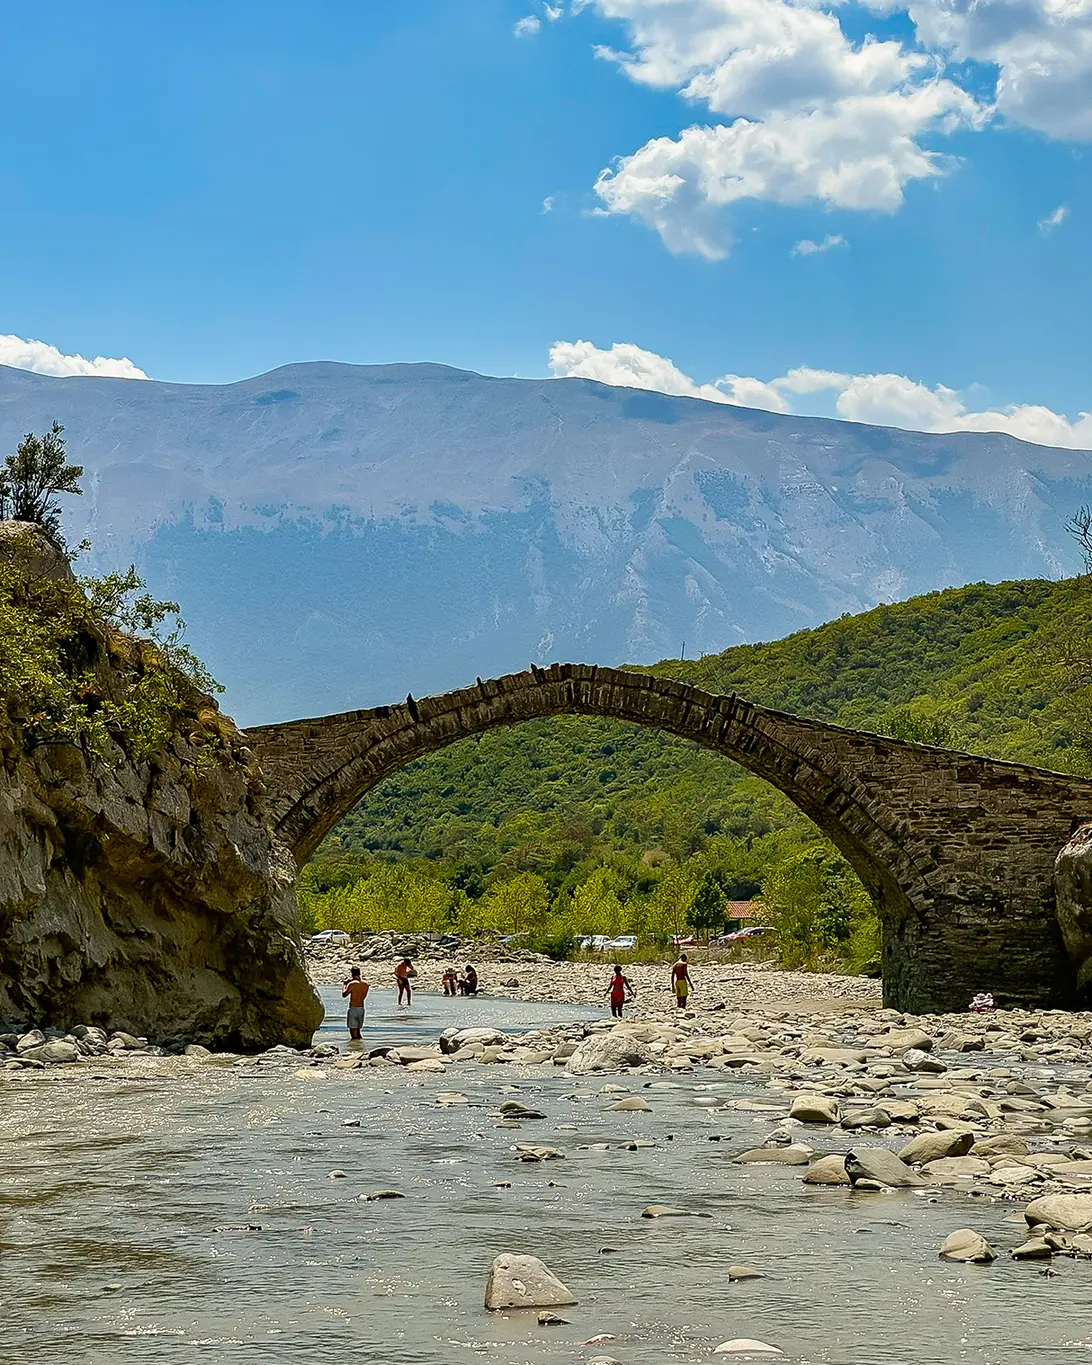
[
  {"x": 330, "y": 936},
  {"x": 684, "y": 941},
  {"x": 752, "y": 931},
  {"x": 625, "y": 942},
  {"x": 598, "y": 942}
]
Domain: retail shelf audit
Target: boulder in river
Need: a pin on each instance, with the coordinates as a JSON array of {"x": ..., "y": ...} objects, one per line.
[
  {"x": 967, "y": 1245},
  {"x": 518, "y": 1281},
  {"x": 827, "y": 1170},
  {"x": 746, "y": 1346},
  {"x": 933, "y": 1146},
  {"x": 879, "y": 1165},
  {"x": 814, "y": 1108},
  {"x": 609, "y": 1052},
  {"x": 1070, "y": 1212}
]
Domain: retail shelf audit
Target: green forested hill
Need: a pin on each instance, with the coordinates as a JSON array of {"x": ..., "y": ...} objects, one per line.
[
  {"x": 591, "y": 813},
  {"x": 974, "y": 668}
]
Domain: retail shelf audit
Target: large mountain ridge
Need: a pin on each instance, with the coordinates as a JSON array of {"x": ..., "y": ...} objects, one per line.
[{"x": 340, "y": 534}]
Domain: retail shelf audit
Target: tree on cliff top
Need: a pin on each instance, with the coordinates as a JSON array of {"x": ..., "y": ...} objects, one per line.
[{"x": 32, "y": 479}]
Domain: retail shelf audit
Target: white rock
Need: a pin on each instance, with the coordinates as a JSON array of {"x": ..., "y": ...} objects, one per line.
[
  {"x": 609, "y": 1052},
  {"x": 967, "y": 1245},
  {"x": 517, "y": 1281},
  {"x": 746, "y": 1346}
]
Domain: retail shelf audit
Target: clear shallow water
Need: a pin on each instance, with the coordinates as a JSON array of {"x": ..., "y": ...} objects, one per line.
[
  {"x": 430, "y": 1012},
  {"x": 192, "y": 1219}
]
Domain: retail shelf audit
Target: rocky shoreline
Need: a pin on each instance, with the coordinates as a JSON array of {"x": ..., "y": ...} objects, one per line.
[
  {"x": 529, "y": 976},
  {"x": 996, "y": 1106}
]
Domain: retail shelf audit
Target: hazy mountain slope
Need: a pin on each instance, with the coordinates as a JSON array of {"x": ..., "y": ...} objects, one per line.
[{"x": 341, "y": 534}]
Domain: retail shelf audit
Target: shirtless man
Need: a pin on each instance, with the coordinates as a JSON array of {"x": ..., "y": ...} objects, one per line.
[
  {"x": 403, "y": 972},
  {"x": 680, "y": 981},
  {"x": 356, "y": 992}
]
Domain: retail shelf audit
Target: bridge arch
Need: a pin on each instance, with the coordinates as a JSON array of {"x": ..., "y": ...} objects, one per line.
[{"x": 956, "y": 851}]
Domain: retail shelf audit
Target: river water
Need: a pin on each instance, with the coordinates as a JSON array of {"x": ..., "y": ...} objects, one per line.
[{"x": 191, "y": 1219}]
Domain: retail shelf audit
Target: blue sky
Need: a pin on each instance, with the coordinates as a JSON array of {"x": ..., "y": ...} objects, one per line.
[{"x": 213, "y": 190}]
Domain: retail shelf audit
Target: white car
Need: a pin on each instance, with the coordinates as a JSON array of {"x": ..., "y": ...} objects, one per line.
[
  {"x": 330, "y": 936},
  {"x": 624, "y": 941}
]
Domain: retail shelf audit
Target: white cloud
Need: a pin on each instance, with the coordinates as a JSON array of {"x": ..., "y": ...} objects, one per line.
[
  {"x": 810, "y": 248},
  {"x": 816, "y": 117},
  {"x": 628, "y": 366},
  {"x": 1053, "y": 220},
  {"x": 752, "y": 57},
  {"x": 877, "y": 399},
  {"x": 548, "y": 204},
  {"x": 44, "y": 359},
  {"x": 804, "y": 112},
  {"x": 858, "y": 154},
  {"x": 553, "y": 13},
  {"x": 752, "y": 393},
  {"x": 527, "y": 27},
  {"x": 1042, "y": 50}
]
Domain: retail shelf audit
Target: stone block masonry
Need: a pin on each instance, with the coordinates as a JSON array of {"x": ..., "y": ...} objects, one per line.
[{"x": 956, "y": 851}]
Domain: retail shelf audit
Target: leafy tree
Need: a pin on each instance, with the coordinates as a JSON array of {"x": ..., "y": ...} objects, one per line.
[
  {"x": 34, "y": 477},
  {"x": 69, "y": 676},
  {"x": 707, "y": 908}
]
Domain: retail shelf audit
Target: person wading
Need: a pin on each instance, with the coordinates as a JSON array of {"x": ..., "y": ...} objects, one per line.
[
  {"x": 680, "y": 981},
  {"x": 617, "y": 990},
  {"x": 356, "y": 992},
  {"x": 403, "y": 974}
]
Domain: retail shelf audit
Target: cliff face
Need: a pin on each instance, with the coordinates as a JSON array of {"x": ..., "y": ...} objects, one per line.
[{"x": 148, "y": 896}]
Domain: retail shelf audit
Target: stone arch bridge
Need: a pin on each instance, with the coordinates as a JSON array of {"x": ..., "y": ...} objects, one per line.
[{"x": 956, "y": 851}]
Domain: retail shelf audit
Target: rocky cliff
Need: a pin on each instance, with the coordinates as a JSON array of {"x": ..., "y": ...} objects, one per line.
[{"x": 146, "y": 896}]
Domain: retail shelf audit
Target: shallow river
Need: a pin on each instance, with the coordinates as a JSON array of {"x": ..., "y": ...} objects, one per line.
[{"x": 193, "y": 1219}]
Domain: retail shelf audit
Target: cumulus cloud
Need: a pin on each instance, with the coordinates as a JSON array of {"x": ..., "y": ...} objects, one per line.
[
  {"x": 1053, "y": 220},
  {"x": 527, "y": 27},
  {"x": 44, "y": 359},
  {"x": 810, "y": 248},
  {"x": 548, "y": 204},
  {"x": 814, "y": 116},
  {"x": 553, "y": 13},
  {"x": 878, "y": 399},
  {"x": 1041, "y": 49},
  {"x": 751, "y": 57},
  {"x": 858, "y": 154},
  {"x": 626, "y": 365}
]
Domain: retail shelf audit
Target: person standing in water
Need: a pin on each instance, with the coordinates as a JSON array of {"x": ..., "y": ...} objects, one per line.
[
  {"x": 356, "y": 992},
  {"x": 680, "y": 981},
  {"x": 617, "y": 990},
  {"x": 403, "y": 972}
]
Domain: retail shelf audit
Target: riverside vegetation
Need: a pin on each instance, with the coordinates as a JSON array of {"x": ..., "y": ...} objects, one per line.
[
  {"x": 140, "y": 888},
  {"x": 583, "y": 826}
]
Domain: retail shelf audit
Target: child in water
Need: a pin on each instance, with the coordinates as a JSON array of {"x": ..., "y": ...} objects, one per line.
[{"x": 617, "y": 991}]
